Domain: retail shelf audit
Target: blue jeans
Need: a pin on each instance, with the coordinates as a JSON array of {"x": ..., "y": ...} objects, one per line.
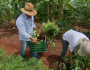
[{"x": 24, "y": 45}]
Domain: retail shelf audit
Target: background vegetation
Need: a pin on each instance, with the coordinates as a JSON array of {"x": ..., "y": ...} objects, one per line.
[
  {"x": 73, "y": 12},
  {"x": 53, "y": 10},
  {"x": 64, "y": 13}
]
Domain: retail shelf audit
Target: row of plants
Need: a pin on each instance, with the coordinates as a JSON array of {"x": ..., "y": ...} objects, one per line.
[
  {"x": 14, "y": 62},
  {"x": 64, "y": 25},
  {"x": 81, "y": 12},
  {"x": 58, "y": 10},
  {"x": 49, "y": 9},
  {"x": 54, "y": 10},
  {"x": 79, "y": 63},
  {"x": 10, "y": 10}
]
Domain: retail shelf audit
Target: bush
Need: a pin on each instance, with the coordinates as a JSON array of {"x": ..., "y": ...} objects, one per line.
[
  {"x": 81, "y": 11},
  {"x": 50, "y": 29},
  {"x": 14, "y": 62},
  {"x": 80, "y": 63},
  {"x": 64, "y": 26}
]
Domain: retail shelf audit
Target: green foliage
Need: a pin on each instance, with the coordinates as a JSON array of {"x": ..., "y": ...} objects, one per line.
[
  {"x": 64, "y": 26},
  {"x": 80, "y": 63},
  {"x": 8, "y": 9},
  {"x": 64, "y": 66},
  {"x": 81, "y": 11},
  {"x": 14, "y": 62},
  {"x": 54, "y": 10},
  {"x": 41, "y": 7},
  {"x": 35, "y": 33},
  {"x": 2, "y": 49},
  {"x": 55, "y": 66},
  {"x": 87, "y": 34},
  {"x": 50, "y": 9},
  {"x": 68, "y": 13},
  {"x": 2, "y": 11},
  {"x": 50, "y": 29}
]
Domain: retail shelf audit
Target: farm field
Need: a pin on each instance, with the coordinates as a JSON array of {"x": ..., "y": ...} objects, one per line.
[
  {"x": 10, "y": 39},
  {"x": 54, "y": 18}
]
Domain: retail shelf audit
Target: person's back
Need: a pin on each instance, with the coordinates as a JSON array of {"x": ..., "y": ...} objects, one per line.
[
  {"x": 76, "y": 41},
  {"x": 72, "y": 37}
]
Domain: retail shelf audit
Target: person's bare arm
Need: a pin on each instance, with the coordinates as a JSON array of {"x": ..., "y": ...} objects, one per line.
[
  {"x": 70, "y": 54},
  {"x": 33, "y": 40}
]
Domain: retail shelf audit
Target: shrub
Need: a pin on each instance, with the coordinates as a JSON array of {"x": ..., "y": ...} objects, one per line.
[
  {"x": 14, "y": 62},
  {"x": 80, "y": 63},
  {"x": 64, "y": 26},
  {"x": 50, "y": 30}
]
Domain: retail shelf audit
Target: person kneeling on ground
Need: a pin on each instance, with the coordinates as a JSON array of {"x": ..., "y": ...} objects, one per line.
[{"x": 78, "y": 43}]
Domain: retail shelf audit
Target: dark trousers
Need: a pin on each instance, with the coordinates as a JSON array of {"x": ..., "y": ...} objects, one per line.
[{"x": 65, "y": 46}]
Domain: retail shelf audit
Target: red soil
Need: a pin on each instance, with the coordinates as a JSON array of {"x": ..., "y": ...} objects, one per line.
[{"x": 10, "y": 39}]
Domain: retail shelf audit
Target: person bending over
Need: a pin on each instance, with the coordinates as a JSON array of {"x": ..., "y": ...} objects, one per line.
[{"x": 78, "y": 43}]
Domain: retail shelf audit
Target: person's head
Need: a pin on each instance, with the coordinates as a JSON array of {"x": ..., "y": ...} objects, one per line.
[
  {"x": 29, "y": 10},
  {"x": 84, "y": 47}
]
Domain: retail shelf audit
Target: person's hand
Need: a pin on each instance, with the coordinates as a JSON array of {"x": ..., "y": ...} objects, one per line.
[
  {"x": 33, "y": 40},
  {"x": 71, "y": 62},
  {"x": 60, "y": 65},
  {"x": 36, "y": 28}
]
